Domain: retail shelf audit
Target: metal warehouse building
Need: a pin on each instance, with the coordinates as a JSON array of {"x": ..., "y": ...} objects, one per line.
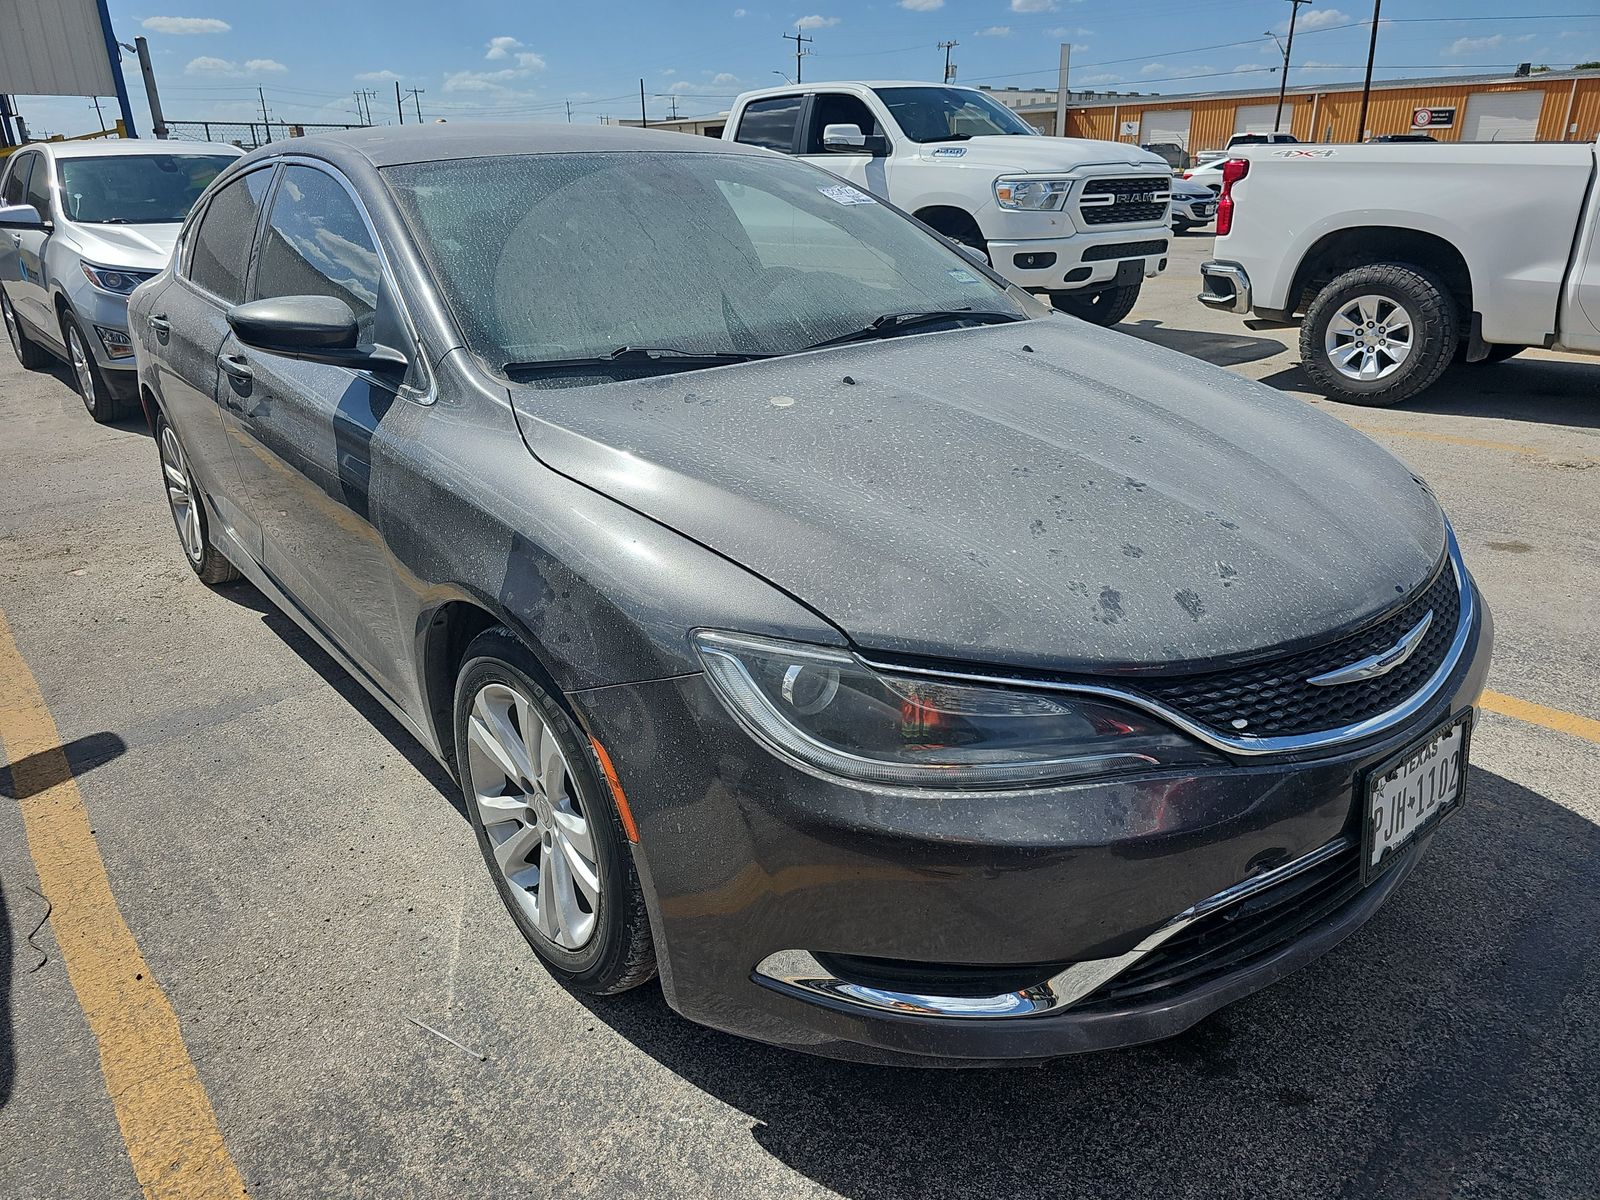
[{"x": 1547, "y": 106}]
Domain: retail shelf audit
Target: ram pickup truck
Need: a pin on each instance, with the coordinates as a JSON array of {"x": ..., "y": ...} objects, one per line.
[
  {"x": 1081, "y": 222},
  {"x": 1396, "y": 260}
]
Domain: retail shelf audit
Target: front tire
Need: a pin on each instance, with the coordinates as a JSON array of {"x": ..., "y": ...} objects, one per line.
[
  {"x": 189, "y": 511},
  {"x": 30, "y": 354},
  {"x": 545, "y": 822},
  {"x": 1378, "y": 335},
  {"x": 1105, "y": 306},
  {"x": 86, "y": 374}
]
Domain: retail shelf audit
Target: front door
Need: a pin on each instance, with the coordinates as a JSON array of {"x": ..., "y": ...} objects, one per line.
[
  {"x": 305, "y": 431},
  {"x": 867, "y": 171}
]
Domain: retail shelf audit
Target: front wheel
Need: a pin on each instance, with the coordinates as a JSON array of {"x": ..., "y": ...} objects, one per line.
[
  {"x": 549, "y": 831},
  {"x": 1104, "y": 306},
  {"x": 1378, "y": 335},
  {"x": 92, "y": 386}
]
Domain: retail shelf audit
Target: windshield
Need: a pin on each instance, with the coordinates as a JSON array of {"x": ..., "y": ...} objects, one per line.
[
  {"x": 136, "y": 189},
  {"x": 936, "y": 114},
  {"x": 573, "y": 256}
]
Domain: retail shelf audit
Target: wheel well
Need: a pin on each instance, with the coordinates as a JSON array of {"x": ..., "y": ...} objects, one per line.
[
  {"x": 955, "y": 223},
  {"x": 1347, "y": 249},
  {"x": 150, "y": 405},
  {"x": 450, "y": 632}
]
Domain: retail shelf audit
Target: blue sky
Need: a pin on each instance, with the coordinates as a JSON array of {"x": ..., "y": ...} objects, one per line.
[{"x": 524, "y": 61}]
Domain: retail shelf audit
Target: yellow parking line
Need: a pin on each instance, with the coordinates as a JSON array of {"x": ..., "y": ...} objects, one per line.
[
  {"x": 1448, "y": 438},
  {"x": 166, "y": 1118},
  {"x": 1551, "y": 718}
]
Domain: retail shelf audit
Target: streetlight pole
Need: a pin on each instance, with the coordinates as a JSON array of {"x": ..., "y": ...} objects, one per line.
[{"x": 1366, "y": 86}]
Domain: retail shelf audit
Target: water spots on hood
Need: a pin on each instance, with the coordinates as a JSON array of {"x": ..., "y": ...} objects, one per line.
[
  {"x": 1110, "y": 606},
  {"x": 1190, "y": 602},
  {"x": 1129, "y": 550}
]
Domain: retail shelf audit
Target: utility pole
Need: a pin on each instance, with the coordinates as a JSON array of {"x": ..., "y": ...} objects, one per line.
[
  {"x": 142, "y": 49},
  {"x": 1283, "y": 80},
  {"x": 7, "y": 136},
  {"x": 265, "y": 122},
  {"x": 415, "y": 93},
  {"x": 674, "y": 101},
  {"x": 799, "y": 51},
  {"x": 644, "y": 121},
  {"x": 1061, "y": 89},
  {"x": 1366, "y": 86},
  {"x": 949, "y": 71},
  {"x": 399, "y": 107},
  {"x": 569, "y": 112},
  {"x": 99, "y": 116}
]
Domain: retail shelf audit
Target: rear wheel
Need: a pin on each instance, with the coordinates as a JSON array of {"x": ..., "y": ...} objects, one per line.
[
  {"x": 188, "y": 511},
  {"x": 1105, "y": 306},
  {"x": 1379, "y": 334},
  {"x": 29, "y": 353},
  {"x": 548, "y": 829}
]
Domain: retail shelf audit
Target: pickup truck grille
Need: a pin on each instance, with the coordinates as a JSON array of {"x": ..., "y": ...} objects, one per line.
[
  {"x": 1125, "y": 250},
  {"x": 1123, "y": 201}
]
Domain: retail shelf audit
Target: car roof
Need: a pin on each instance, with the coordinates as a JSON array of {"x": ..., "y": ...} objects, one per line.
[
  {"x": 109, "y": 147},
  {"x": 392, "y": 145}
]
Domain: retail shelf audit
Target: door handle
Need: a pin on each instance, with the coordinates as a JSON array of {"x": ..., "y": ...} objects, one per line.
[
  {"x": 236, "y": 367},
  {"x": 160, "y": 324}
]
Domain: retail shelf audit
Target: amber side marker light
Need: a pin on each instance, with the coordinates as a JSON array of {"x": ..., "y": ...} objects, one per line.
[{"x": 615, "y": 784}]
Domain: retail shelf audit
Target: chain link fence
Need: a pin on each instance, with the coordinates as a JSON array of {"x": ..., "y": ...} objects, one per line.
[{"x": 245, "y": 134}]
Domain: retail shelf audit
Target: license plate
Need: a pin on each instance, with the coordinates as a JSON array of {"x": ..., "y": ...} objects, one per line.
[
  {"x": 1203, "y": 210},
  {"x": 1412, "y": 792}
]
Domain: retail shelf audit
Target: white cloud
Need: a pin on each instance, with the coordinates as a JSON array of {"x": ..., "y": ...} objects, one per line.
[
  {"x": 994, "y": 31},
  {"x": 1154, "y": 68},
  {"x": 185, "y": 25},
  {"x": 724, "y": 78},
  {"x": 738, "y": 12},
  {"x": 481, "y": 81},
  {"x": 815, "y": 22},
  {"x": 922, "y": 5},
  {"x": 1066, "y": 31},
  {"x": 1033, "y": 6},
  {"x": 1471, "y": 45},
  {"x": 377, "y": 76},
  {"x": 1097, "y": 80},
  {"x": 223, "y": 67},
  {"x": 501, "y": 47},
  {"x": 1321, "y": 18},
  {"x": 529, "y": 61}
]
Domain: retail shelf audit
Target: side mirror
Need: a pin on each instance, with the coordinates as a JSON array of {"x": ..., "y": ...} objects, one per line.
[
  {"x": 844, "y": 139},
  {"x": 311, "y": 328},
  {"x": 21, "y": 216},
  {"x": 972, "y": 252}
]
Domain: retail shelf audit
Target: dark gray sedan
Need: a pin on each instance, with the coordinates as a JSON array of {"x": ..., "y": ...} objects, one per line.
[{"x": 905, "y": 672}]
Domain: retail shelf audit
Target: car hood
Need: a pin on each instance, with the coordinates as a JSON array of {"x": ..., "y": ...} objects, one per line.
[
  {"x": 1045, "y": 495},
  {"x": 1021, "y": 153},
  {"x": 137, "y": 247},
  {"x": 1182, "y": 189}
]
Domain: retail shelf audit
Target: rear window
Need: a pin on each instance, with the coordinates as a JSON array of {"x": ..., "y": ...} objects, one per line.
[
  {"x": 770, "y": 123},
  {"x": 221, "y": 246}
]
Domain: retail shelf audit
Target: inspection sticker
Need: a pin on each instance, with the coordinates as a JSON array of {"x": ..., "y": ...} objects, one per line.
[
  {"x": 961, "y": 276},
  {"x": 843, "y": 193}
]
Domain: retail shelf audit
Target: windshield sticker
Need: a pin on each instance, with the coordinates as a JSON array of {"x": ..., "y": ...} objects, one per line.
[
  {"x": 1304, "y": 153},
  {"x": 949, "y": 152},
  {"x": 961, "y": 276},
  {"x": 843, "y": 193}
]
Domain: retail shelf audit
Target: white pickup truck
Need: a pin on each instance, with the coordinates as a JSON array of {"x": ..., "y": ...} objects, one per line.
[
  {"x": 1397, "y": 259},
  {"x": 1079, "y": 221}
]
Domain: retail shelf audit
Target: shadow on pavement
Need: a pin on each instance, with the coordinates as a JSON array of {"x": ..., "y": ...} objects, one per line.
[
  {"x": 1449, "y": 1047},
  {"x": 1222, "y": 349},
  {"x": 42, "y": 771}
]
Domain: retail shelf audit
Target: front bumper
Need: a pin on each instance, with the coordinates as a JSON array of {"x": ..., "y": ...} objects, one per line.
[
  {"x": 1080, "y": 260},
  {"x": 752, "y": 867},
  {"x": 1224, "y": 285},
  {"x": 1198, "y": 211}
]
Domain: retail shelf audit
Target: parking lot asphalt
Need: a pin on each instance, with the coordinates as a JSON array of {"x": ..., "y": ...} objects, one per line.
[{"x": 301, "y": 886}]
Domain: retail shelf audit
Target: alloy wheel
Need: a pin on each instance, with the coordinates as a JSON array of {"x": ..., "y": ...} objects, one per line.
[
  {"x": 1369, "y": 338},
  {"x": 81, "y": 367},
  {"x": 11, "y": 324},
  {"x": 537, "y": 826},
  {"x": 181, "y": 495}
]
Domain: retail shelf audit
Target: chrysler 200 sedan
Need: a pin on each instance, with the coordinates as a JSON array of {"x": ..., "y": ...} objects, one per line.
[{"x": 905, "y": 672}]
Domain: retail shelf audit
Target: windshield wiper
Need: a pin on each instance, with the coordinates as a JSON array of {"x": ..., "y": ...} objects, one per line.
[
  {"x": 893, "y": 324},
  {"x": 663, "y": 357}
]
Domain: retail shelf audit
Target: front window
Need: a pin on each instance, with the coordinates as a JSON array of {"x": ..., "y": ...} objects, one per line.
[
  {"x": 136, "y": 189},
  {"x": 576, "y": 256},
  {"x": 937, "y": 114}
]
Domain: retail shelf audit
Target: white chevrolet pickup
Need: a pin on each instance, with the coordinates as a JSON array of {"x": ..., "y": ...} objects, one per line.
[
  {"x": 1397, "y": 259},
  {"x": 1079, "y": 221}
]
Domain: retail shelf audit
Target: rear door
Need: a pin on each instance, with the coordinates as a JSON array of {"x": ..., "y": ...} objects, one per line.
[
  {"x": 189, "y": 323},
  {"x": 31, "y": 294},
  {"x": 305, "y": 430},
  {"x": 13, "y": 190}
]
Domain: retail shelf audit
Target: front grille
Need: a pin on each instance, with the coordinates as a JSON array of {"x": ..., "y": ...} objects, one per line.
[
  {"x": 1124, "y": 250},
  {"x": 1233, "y": 938},
  {"x": 1122, "y": 211},
  {"x": 1273, "y": 699}
]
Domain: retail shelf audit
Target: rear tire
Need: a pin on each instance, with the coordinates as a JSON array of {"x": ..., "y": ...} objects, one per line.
[
  {"x": 1105, "y": 307},
  {"x": 1378, "y": 335},
  {"x": 554, "y": 843},
  {"x": 30, "y": 354},
  {"x": 189, "y": 511}
]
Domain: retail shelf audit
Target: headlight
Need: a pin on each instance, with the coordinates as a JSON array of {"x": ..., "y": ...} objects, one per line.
[
  {"x": 1038, "y": 195},
  {"x": 114, "y": 279},
  {"x": 830, "y": 711}
]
